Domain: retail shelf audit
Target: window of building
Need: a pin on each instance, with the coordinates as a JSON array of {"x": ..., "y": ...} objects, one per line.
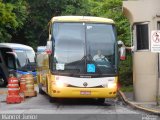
[
  {"x": 158, "y": 25},
  {"x": 142, "y": 36}
]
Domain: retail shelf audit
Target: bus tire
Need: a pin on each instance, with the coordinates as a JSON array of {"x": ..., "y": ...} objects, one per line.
[
  {"x": 101, "y": 100},
  {"x": 3, "y": 82},
  {"x": 40, "y": 89}
]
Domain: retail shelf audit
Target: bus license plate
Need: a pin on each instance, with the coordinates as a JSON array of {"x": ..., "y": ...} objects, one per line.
[{"x": 85, "y": 92}]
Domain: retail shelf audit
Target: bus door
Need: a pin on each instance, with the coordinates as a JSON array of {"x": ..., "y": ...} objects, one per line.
[{"x": 4, "y": 73}]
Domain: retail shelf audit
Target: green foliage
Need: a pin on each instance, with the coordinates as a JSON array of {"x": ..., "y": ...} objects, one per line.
[
  {"x": 127, "y": 88},
  {"x": 12, "y": 15},
  {"x": 112, "y": 9},
  {"x": 41, "y": 11},
  {"x": 7, "y": 21},
  {"x": 125, "y": 71}
]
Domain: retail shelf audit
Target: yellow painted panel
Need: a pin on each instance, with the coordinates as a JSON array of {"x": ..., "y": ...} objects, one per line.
[
  {"x": 71, "y": 92},
  {"x": 81, "y": 19}
]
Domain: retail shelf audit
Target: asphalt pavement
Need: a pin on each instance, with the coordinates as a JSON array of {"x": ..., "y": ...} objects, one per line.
[{"x": 40, "y": 108}]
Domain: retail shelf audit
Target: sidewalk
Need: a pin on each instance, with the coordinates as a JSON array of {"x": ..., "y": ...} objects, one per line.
[{"x": 145, "y": 106}]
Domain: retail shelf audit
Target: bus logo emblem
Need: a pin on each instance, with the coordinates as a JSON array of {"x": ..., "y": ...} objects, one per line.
[{"x": 85, "y": 84}]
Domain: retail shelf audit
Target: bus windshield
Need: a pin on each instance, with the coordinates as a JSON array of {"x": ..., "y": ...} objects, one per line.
[
  {"x": 25, "y": 56},
  {"x": 84, "y": 49},
  {"x": 30, "y": 56}
]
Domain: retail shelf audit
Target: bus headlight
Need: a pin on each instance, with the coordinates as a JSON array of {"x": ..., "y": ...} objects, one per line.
[
  {"x": 60, "y": 84},
  {"x": 112, "y": 85}
]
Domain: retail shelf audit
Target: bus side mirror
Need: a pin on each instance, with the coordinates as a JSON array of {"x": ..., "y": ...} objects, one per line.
[
  {"x": 122, "y": 50},
  {"x": 49, "y": 47},
  {"x": 122, "y": 53}
]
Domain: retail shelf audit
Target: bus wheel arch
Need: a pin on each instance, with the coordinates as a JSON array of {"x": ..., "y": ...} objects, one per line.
[
  {"x": 40, "y": 89},
  {"x": 3, "y": 81}
]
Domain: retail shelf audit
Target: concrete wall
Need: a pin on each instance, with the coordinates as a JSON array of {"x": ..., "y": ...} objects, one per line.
[
  {"x": 141, "y": 10},
  {"x": 145, "y": 76}
]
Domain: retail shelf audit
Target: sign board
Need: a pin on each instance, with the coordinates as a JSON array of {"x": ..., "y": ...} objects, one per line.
[
  {"x": 155, "y": 41},
  {"x": 91, "y": 68}
]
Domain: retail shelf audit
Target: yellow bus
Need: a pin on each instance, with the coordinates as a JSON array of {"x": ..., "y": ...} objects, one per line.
[{"x": 80, "y": 60}]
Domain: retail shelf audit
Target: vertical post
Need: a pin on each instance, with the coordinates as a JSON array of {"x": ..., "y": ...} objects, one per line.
[
  {"x": 155, "y": 47},
  {"x": 157, "y": 97}
]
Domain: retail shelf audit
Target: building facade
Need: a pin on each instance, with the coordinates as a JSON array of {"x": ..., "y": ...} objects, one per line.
[{"x": 144, "y": 17}]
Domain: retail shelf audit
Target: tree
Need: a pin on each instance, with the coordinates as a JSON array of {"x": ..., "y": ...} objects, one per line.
[
  {"x": 35, "y": 30},
  {"x": 12, "y": 16},
  {"x": 113, "y": 9}
]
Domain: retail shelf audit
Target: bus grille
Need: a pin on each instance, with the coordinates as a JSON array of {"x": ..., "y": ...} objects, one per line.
[{"x": 100, "y": 86}]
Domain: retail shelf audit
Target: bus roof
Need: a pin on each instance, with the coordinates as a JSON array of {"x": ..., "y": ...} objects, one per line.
[
  {"x": 15, "y": 46},
  {"x": 81, "y": 19}
]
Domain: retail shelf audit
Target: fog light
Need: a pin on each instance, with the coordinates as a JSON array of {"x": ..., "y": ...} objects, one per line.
[
  {"x": 112, "y": 85},
  {"x": 54, "y": 91}
]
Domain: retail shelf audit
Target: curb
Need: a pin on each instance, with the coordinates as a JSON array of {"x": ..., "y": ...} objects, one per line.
[{"x": 137, "y": 106}]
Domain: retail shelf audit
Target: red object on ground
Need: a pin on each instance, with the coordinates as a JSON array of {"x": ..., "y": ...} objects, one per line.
[{"x": 13, "y": 91}]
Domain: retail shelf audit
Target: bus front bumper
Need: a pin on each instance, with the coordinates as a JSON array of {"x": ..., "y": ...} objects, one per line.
[{"x": 72, "y": 92}]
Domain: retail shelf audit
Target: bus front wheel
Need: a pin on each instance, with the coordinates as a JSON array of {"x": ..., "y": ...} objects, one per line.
[
  {"x": 40, "y": 89},
  {"x": 101, "y": 100}
]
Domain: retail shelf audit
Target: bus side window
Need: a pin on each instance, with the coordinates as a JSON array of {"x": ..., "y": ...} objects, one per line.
[{"x": 10, "y": 62}]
